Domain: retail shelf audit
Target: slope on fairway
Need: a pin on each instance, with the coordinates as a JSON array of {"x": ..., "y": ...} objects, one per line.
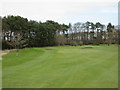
[{"x": 62, "y": 67}]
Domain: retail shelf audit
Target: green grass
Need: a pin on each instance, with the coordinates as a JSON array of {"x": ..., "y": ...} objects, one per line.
[
  {"x": 62, "y": 67},
  {"x": 0, "y": 74}
]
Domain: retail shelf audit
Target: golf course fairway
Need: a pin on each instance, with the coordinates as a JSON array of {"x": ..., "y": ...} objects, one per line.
[{"x": 62, "y": 67}]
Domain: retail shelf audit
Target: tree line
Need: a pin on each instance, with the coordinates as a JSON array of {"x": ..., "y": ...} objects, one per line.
[
  {"x": 19, "y": 32},
  {"x": 90, "y": 33}
]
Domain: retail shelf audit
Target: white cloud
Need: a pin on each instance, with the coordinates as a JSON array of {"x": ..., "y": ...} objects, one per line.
[
  {"x": 108, "y": 1},
  {"x": 59, "y": 10},
  {"x": 109, "y": 11}
]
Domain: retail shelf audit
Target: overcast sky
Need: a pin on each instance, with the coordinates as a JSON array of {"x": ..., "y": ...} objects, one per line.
[{"x": 63, "y": 11}]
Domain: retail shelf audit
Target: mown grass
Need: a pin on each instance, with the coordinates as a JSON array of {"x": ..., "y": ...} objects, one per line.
[{"x": 62, "y": 67}]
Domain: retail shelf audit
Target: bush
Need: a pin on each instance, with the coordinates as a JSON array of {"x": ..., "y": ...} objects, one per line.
[
  {"x": 5, "y": 45},
  {"x": 60, "y": 39}
]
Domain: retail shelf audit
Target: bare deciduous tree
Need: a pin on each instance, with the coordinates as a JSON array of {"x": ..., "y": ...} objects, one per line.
[{"x": 17, "y": 41}]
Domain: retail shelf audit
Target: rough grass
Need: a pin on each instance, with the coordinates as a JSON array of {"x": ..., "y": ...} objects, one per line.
[{"x": 62, "y": 67}]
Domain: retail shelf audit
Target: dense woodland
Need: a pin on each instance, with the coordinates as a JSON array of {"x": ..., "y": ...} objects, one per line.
[{"x": 19, "y": 32}]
